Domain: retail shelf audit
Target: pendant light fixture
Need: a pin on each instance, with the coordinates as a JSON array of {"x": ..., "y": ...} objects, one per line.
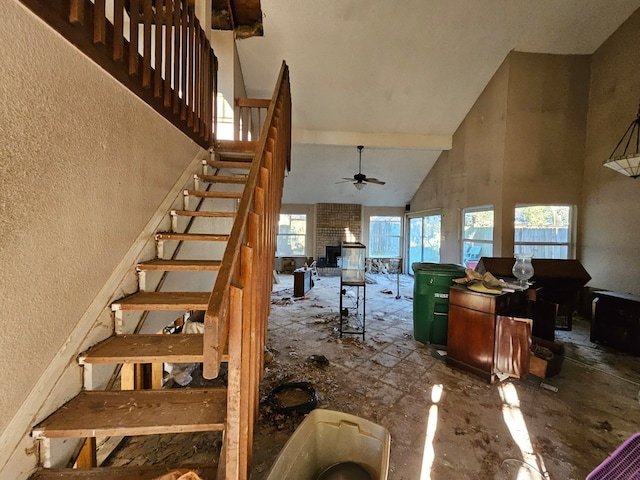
[{"x": 627, "y": 161}]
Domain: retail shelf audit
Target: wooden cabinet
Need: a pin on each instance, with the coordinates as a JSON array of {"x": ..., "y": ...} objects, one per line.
[
  {"x": 616, "y": 321},
  {"x": 486, "y": 335},
  {"x": 302, "y": 282}
]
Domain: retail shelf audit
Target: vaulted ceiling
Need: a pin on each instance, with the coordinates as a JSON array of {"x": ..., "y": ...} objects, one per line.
[{"x": 397, "y": 76}]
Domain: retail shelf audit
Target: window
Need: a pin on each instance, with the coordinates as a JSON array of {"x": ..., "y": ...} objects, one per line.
[
  {"x": 543, "y": 230},
  {"x": 424, "y": 239},
  {"x": 292, "y": 235},
  {"x": 477, "y": 234},
  {"x": 384, "y": 236}
]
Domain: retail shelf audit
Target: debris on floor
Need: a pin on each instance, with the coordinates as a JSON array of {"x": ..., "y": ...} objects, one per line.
[
  {"x": 282, "y": 301},
  {"x": 318, "y": 361}
]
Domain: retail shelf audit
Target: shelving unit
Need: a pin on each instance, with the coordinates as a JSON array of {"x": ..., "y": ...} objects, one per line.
[{"x": 352, "y": 289}]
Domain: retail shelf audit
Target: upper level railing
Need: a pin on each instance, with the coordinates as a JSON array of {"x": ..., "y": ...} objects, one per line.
[
  {"x": 155, "y": 48},
  {"x": 250, "y": 116}
]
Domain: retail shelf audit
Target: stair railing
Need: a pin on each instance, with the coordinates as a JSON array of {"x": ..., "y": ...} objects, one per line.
[
  {"x": 155, "y": 48},
  {"x": 239, "y": 304},
  {"x": 250, "y": 116}
]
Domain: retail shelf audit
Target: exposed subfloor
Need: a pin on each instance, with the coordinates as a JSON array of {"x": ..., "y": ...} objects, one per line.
[{"x": 474, "y": 431}]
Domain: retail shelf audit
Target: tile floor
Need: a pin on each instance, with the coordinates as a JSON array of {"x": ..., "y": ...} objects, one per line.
[{"x": 514, "y": 429}]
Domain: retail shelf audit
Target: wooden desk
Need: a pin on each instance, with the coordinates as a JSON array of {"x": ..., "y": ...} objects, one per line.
[{"x": 485, "y": 337}]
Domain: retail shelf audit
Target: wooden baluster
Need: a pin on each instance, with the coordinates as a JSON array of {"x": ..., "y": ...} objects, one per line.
[
  {"x": 176, "y": 65},
  {"x": 201, "y": 91},
  {"x": 190, "y": 83},
  {"x": 76, "y": 11},
  {"x": 168, "y": 58},
  {"x": 134, "y": 17},
  {"x": 99, "y": 22},
  {"x": 184, "y": 51},
  {"x": 146, "y": 52},
  {"x": 214, "y": 97},
  {"x": 246, "y": 404},
  {"x": 118, "y": 30},
  {"x": 204, "y": 91},
  {"x": 157, "y": 73},
  {"x": 233, "y": 431},
  {"x": 196, "y": 78}
]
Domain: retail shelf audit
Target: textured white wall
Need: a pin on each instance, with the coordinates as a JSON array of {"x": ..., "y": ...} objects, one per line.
[
  {"x": 522, "y": 142},
  {"x": 610, "y": 224},
  {"x": 84, "y": 166}
]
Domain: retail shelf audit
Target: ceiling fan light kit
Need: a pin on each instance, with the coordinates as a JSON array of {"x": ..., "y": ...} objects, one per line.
[{"x": 360, "y": 178}]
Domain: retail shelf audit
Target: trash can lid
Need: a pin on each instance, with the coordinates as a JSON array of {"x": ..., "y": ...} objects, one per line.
[{"x": 438, "y": 268}]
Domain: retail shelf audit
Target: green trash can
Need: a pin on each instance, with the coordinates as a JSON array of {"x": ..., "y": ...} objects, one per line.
[{"x": 431, "y": 300}]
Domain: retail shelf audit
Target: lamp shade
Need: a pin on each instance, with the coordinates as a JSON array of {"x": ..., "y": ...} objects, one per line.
[
  {"x": 359, "y": 185},
  {"x": 627, "y": 160},
  {"x": 629, "y": 165}
]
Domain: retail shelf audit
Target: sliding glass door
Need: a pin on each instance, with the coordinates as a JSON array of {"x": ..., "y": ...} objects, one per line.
[{"x": 424, "y": 239}]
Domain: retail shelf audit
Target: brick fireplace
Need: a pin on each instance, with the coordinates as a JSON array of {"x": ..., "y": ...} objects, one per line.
[{"x": 335, "y": 223}]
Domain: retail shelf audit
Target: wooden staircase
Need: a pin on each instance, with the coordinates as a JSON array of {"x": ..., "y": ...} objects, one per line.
[{"x": 250, "y": 175}]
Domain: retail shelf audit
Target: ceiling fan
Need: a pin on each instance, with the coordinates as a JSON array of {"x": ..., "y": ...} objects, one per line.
[{"x": 360, "y": 178}]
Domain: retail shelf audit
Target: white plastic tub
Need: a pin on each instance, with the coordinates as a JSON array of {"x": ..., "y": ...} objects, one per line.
[{"x": 325, "y": 438}]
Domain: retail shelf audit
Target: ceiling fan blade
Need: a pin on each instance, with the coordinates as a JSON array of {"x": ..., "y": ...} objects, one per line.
[
  {"x": 345, "y": 180},
  {"x": 374, "y": 180}
]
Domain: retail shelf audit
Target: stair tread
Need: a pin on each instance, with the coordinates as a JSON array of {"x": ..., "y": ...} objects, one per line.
[
  {"x": 163, "y": 301},
  {"x": 229, "y": 163},
  {"x": 224, "y": 147},
  {"x": 200, "y": 213},
  {"x": 146, "y": 348},
  {"x": 206, "y": 194},
  {"x": 136, "y": 412},
  {"x": 216, "y": 237},
  {"x": 178, "y": 265},
  {"x": 221, "y": 178},
  {"x": 143, "y": 472}
]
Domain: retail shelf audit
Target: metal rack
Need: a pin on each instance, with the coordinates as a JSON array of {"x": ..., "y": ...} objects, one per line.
[{"x": 353, "y": 289}]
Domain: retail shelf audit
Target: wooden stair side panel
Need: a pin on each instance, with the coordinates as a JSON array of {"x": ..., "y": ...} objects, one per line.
[
  {"x": 163, "y": 301},
  {"x": 136, "y": 412}
]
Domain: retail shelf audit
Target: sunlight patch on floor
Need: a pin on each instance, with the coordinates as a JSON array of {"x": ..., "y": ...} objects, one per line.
[
  {"x": 532, "y": 466},
  {"x": 428, "y": 455}
]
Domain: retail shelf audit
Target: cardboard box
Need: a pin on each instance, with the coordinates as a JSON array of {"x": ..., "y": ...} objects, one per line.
[{"x": 546, "y": 368}]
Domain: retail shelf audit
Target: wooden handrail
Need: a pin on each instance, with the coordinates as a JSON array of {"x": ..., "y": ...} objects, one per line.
[
  {"x": 239, "y": 304},
  {"x": 274, "y": 148},
  {"x": 176, "y": 71}
]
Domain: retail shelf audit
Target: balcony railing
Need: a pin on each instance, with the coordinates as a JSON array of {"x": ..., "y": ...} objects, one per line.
[{"x": 156, "y": 48}]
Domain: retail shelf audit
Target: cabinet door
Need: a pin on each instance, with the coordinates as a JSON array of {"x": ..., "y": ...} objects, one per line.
[
  {"x": 471, "y": 340},
  {"x": 513, "y": 341}
]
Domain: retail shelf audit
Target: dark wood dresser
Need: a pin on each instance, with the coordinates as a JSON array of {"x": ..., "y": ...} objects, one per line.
[
  {"x": 487, "y": 334},
  {"x": 616, "y": 321}
]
